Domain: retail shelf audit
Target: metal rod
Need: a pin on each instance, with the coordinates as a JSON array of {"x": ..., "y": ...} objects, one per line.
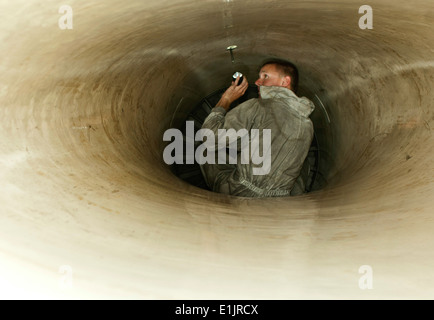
[{"x": 231, "y": 49}]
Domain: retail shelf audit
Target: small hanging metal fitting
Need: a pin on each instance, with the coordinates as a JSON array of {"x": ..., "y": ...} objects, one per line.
[{"x": 232, "y": 48}]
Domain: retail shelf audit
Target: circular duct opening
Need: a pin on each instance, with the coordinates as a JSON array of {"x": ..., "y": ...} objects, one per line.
[{"x": 83, "y": 113}]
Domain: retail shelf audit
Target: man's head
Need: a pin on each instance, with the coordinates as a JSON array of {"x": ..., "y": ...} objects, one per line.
[{"x": 279, "y": 73}]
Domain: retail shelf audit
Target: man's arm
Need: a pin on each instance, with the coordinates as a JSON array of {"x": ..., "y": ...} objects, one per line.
[
  {"x": 216, "y": 119},
  {"x": 236, "y": 119}
]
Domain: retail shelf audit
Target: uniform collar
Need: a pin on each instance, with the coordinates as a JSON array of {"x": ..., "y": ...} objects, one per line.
[{"x": 302, "y": 105}]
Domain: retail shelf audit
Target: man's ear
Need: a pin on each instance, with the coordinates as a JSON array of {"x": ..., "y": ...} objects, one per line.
[{"x": 286, "y": 82}]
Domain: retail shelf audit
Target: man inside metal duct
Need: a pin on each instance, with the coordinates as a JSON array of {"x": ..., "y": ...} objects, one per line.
[{"x": 286, "y": 116}]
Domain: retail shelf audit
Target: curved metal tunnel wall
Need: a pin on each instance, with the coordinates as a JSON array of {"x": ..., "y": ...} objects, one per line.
[{"x": 89, "y": 209}]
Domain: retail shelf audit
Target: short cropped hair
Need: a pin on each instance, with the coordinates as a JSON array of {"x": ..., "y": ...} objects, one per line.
[{"x": 287, "y": 68}]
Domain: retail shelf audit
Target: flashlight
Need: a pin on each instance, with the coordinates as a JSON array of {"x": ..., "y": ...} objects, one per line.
[{"x": 236, "y": 75}]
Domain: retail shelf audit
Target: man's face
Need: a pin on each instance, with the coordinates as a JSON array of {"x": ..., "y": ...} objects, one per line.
[{"x": 270, "y": 76}]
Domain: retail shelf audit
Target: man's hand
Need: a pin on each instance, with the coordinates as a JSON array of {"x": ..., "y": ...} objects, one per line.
[{"x": 232, "y": 93}]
